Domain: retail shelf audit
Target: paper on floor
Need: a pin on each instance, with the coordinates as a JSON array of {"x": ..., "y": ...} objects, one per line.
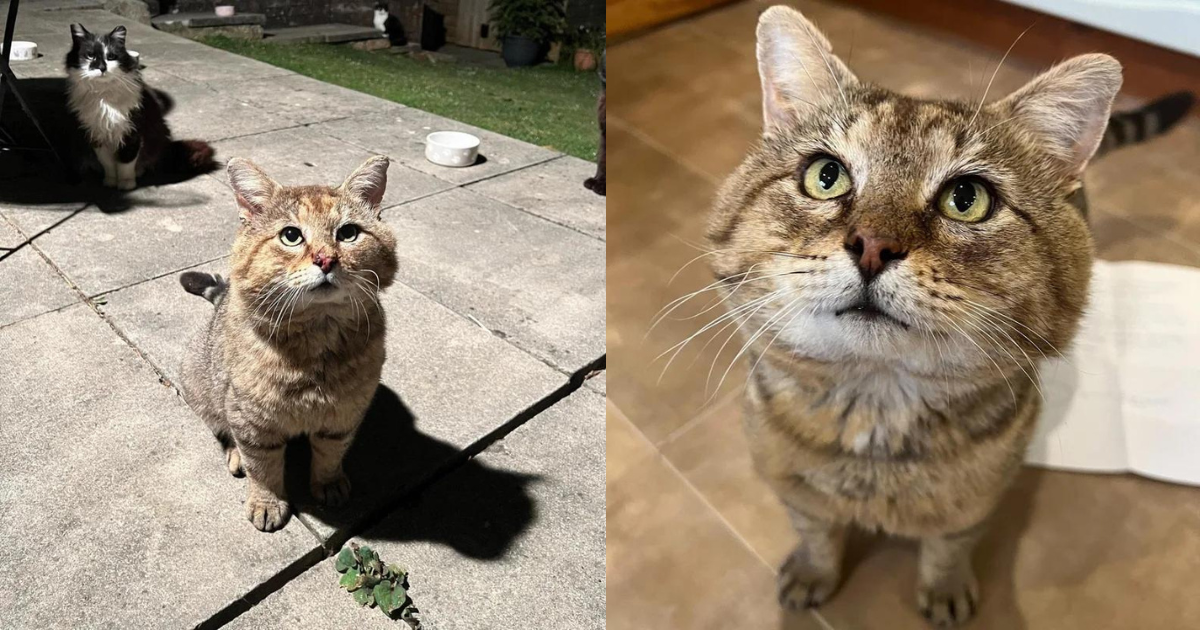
[{"x": 1127, "y": 397}]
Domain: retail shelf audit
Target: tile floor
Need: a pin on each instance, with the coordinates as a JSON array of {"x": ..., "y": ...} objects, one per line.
[{"x": 693, "y": 536}]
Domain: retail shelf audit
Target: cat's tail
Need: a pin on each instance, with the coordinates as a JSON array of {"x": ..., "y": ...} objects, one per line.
[
  {"x": 1143, "y": 123},
  {"x": 189, "y": 157},
  {"x": 209, "y": 286}
]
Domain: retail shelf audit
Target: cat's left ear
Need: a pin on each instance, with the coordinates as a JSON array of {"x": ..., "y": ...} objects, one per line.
[
  {"x": 799, "y": 72},
  {"x": 252, "y": 188},
  {"x": 117, "y": 35},
  {"x": 78, "y": 33},
  {"x": 369, "y": 181},
  {"x": 1067, "y": 108}
]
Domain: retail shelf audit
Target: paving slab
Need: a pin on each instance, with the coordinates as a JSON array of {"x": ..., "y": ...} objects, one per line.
[
  {"x": 537, "y": 284},
  {"x": 552, "y": 190},
  {"x": 401, "y": 135},
  {"x": 446, "y": 383},
  {"x": 306, "y": 156},
  {"x": 166, "y": 228},
  {"x": 321, "y": 34},
  {"x": 515, "y": 539},
  {"x": 29, "y": 286},
  {"x": 304, "y": 100},
  {"x": 33, "y": 218},
  {"x": 201, "y": 112},
  {"x": 113, "y": 485}
]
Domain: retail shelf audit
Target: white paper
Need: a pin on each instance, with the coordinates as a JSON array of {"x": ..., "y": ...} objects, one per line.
[{"x": 1127, "y": 397}]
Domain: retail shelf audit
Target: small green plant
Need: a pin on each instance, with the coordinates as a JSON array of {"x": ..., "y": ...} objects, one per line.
[
  {"x": 543, "y": 21},
  {"x": 375, "y": 584}
]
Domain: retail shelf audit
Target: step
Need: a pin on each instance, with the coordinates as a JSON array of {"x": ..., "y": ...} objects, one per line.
[{"x": 321, "y": 34}]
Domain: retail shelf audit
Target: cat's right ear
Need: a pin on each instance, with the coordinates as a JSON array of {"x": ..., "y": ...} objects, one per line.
[
  {"x": 78, "y": 33},
  {"x": 798, "y": 69},
  {"x": 252, "y": 187}
]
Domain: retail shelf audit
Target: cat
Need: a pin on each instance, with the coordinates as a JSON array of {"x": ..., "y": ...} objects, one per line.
[
  {"x": 121, "y": 116},
  {"x": 390, "y": 25},
  {"x": 899, "y": 267},
  {"x": 597, "y": 183},
  {"x": 296, "y": 344}
]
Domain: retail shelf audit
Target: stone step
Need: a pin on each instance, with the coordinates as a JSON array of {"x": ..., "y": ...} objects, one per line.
[
  {"x": 321, "y": 34},
  {"x": 193, "y": 25}
]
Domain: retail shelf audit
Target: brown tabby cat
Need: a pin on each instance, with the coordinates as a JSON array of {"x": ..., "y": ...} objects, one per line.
[
  {"x": 296, "y": 343},
  {"x": 899, "y": 267}
]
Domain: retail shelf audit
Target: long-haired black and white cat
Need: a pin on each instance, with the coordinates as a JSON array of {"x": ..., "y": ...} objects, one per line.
[
  {"x": 389, "y": 24},
  {"x": 122, "y": 117}
]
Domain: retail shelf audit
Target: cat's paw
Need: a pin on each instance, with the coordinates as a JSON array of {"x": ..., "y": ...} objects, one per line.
[
  {"x": 802, "y": 585},
  {"x": 332, "y": 493},
  {"x": 267, "y": 513},
  {"x": 127, "y": 184},
  {"x": 950, "y": 602},
  {"x": 233, "y": 461}
]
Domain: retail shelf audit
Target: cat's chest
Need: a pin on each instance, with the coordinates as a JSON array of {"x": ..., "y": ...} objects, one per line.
[
  {"x": 104, "y": 111},
  {"x": 877, "y": 412}
]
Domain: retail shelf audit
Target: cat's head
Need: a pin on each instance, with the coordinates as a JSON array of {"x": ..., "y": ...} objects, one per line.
[
  {"x": 311, "y": 247},
  {"x": 937, "y": 235},
  {"x": 99, "y": 57},
  {"x": 381, "y": 8}
]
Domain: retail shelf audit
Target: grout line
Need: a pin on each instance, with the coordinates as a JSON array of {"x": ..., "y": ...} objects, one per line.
[
  {"x": 389, "y": 505},
  {"x": 640, "y": 135},
  {"x": 29, "y": 239},
  {"x": 164, "y": 274},
  {"x": 701, "y": 416}
]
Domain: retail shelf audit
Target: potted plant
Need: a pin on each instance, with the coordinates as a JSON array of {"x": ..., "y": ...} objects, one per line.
[
  {"x": 526, "y": 28},
  {"x": 588, "y": 43}
]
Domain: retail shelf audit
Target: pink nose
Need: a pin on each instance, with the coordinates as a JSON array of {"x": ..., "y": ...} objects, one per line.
[
  {"x": 872, "y": 252},
  {"x": 324, "y": 261}
]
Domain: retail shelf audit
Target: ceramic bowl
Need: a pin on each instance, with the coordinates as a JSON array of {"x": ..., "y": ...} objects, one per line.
[
  {"x": 451, "y": 148},
  {"x": 22, "y": 51}
]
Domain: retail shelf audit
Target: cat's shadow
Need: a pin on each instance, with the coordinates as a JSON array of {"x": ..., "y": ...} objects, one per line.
[
  {"x": 476, "y": 509},
  {"x": 33, "y": 178}
]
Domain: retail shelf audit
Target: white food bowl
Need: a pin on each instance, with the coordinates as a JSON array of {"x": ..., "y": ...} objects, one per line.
[
  {"x": 22, "y": 51},
  {"x": 451, "y": 148},
  {"x": 225, "y": 10}
]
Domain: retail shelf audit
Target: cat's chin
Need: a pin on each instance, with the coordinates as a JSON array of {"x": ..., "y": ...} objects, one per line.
[{"x": 853, "y": 336}]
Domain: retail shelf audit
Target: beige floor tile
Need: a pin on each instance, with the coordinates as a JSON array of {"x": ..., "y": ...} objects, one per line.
[
  {"x": 673, "y": 564},
  {"x": 625, "y": 446}
]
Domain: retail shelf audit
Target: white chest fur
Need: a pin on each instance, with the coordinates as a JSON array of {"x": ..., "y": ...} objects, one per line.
[
  {"x": 104, "y": 106},
  {"x": 380, "y": 18}
]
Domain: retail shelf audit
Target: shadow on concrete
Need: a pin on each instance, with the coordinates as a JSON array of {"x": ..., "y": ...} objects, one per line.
[
  {"x": 34, "y": 178},
  {"x": 477, "y": 510}
]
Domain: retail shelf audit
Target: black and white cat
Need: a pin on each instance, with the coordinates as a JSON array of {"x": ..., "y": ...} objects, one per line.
[
  {"x": 387, "y": 23},
  {"x": 123, "y": 118}
]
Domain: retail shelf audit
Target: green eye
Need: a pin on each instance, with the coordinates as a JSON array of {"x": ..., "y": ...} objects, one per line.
[
  {"x": 826, "y": 178},
  {"x": 965, "y": 199},
  {"x": 291, "y": 236}
]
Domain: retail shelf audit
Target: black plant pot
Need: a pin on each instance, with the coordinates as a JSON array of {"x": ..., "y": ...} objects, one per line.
[{"x": 519, "y": 51}]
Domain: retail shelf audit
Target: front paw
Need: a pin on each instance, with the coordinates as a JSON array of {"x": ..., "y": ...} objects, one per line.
[
  {"x": 801, "y": 584},
  {"x": 267, "y": 513},
  {"x": 127, "y": 184},
  {"x": 951, "y": 601},
  {"x": 332, "y": 493}
]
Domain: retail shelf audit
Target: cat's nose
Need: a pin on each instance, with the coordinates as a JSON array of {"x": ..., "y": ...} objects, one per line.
[
  {"x": 324, "y": 261},
  {"x": 872, "y": 252}
]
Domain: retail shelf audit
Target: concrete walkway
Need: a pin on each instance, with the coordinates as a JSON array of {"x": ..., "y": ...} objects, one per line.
[{"x": 114, "y": 503}]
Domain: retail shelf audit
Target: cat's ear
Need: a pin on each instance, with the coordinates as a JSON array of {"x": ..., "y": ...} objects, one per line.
[
  {"x": 251, "y": 186},
  {"x": 117, "y": 36},
  {"x": 1067, "y": 107},
  {"x": 369, "y": 181},
  {"x": 78, "y": 33},
  {"x": 798, "y": 69}
]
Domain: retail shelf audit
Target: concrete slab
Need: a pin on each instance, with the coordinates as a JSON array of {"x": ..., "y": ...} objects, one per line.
[
  {"x": 306, "y": 156},
  {"x": 166, "y": 228},
  {"x": 33, "y": 219},
  {"x": 401, "y": 135},
  {"x": 514, "y": 539},
  {"x": 320, "y": 34},
  {"x": 304, "y": 100},
  {"x": 203, "y": 113},
  {"x": 552, "y": 190},
  {"x": 110, "y": 479},
  {"x": 535, "y": 283},
  {"x": 446, "y": 384},
  {"x": 29, "y": 286}
]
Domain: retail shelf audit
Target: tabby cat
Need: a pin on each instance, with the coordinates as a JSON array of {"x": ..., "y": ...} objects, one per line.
[
  {"x": 899, "y": 267},
  {"x": 296, "y": 343}
]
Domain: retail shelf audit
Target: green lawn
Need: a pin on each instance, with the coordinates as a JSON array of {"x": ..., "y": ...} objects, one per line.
[{"x": 549, "y": 105}]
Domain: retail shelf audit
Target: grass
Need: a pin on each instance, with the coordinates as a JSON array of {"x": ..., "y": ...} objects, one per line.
[{"x": 548, "y": 105}]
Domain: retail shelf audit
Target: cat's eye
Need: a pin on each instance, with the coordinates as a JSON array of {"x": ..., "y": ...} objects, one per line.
[
  {"x": 112, "y": 57},
  {"x": 825, "y": 178},
  {"x": 965, "y": 199},
  {"x": 348, "y": 233},
  {"x": 291, "y": 236}
]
